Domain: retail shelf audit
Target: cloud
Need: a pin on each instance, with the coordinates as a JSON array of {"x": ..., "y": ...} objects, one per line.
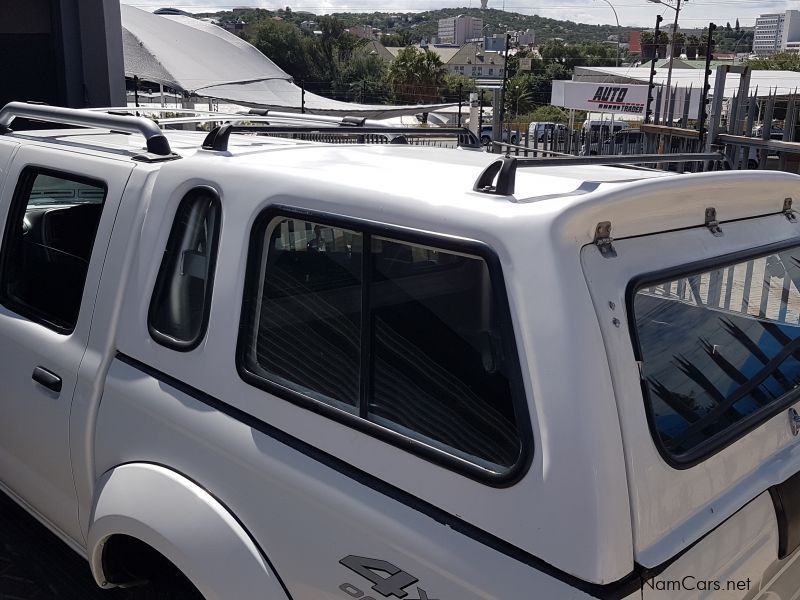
[{"x": 632, "y": 13}]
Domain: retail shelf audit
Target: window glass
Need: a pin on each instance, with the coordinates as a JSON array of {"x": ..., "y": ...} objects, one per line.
[
  {"x": 48, "y": 243},
  {"x": 719, "y": 347},
  {"x": 439, "y": 373},
  {"x": 402, "y": 335},
  {"x": 307, "y": 327},
  {"x": 182, "y": 297}
]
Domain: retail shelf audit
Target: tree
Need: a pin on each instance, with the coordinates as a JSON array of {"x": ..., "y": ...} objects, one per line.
[
  {"x": 549, "y": 114},
  {"x": 728, "y": 26},
  {"x": 737, "y": 26},
  {"x": 678, "y": 42},
  {"x": 282, "y": 43},
  {"x": 785, "y": 61},
  {"x": 416, "y": 75},
  {"x": 648, "y": 45},
  {"x": 692, "y": 46},
  {"x": 519, "y": 97}
]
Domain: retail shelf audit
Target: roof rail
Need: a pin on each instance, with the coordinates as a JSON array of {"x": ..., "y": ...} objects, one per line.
[
  {"x": 157, "y": 144},
  {"x": 218, "y": 138},
  {"x": 499, "y": 177},
  {"x": 254, "y": 115}
]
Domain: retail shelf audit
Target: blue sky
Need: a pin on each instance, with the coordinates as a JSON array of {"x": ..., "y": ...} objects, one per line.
[{"x": 694, "y": 13}]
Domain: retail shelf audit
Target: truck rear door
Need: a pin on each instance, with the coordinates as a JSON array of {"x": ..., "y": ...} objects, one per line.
[
  {"x": 702, "y": 328},
  {"x": 58, "y": 209}
]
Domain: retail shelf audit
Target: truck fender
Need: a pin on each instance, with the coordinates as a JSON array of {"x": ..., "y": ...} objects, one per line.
[{"x": 187, "y": 525}]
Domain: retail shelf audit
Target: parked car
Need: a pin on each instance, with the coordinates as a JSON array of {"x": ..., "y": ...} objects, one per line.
[
  {"x": 240, "y": 366},
  {"x": 546, "y": 130},
  {"x": 595, "y": 132},
  {"x": 626, "y": 141},
  {"x": 486, "y": 135}
]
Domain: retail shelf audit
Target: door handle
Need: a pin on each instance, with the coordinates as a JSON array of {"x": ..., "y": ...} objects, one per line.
[{"x": 47, "y": 378}]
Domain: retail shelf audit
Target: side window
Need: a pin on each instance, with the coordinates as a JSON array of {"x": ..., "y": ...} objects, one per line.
[
  {"x": 720, "y": 350},
  {"x": 401, "y": 336},
  {"x": 182, "y": 297},
  {"x": 49, "y": 235}
]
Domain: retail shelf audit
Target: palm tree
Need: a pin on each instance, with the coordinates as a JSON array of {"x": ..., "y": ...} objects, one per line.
[{"x": 417, "y": 75}]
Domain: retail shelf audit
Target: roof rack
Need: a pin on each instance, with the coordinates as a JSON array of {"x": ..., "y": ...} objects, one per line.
[
  {"x": 252, "y": 115},
  {"x": 218, "y": 138},
  {"x": 499, "y": 177},
  {"x": 157, "y": 145}
]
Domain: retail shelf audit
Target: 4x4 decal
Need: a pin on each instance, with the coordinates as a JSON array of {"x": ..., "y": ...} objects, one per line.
[{"x": 388, "y": 580}]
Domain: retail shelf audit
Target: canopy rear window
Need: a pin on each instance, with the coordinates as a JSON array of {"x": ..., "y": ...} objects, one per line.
[{"x": 719, "y": 351}]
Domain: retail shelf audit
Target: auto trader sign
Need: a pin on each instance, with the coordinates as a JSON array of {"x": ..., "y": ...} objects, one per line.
[
  {"x": 600, "y": 97},
  {"x": 616, "y": 98}
]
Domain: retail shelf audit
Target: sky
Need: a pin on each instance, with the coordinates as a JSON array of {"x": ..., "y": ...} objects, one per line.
[{"x": 694, "y": 13}]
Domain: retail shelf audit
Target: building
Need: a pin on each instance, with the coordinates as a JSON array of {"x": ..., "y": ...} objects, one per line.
[
  {"x": 62, "y": 52},
  {"x": 472, "y": 60},
  {"x": 495, "y": 43},
  {"x": 776, "y": 32},
  {"x": 526, "y": 38},
  {"x": 458, "y": 30},
  {"x": 364, "y": 31}
]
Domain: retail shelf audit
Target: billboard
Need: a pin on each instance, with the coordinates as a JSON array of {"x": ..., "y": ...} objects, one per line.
[{"x": 615, "y": 98}]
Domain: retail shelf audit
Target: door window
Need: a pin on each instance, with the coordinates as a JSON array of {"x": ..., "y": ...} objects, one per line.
[{"x": 49, "y": 236}]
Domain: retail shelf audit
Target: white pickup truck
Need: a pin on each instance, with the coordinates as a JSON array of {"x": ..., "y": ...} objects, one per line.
[{"x": 247, "y": 367}]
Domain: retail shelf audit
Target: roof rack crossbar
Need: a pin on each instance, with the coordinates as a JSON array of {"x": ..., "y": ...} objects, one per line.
[
  {"x": 218, "y": 138},
  {"x": 156, "y": 142},
  {"x": 499, "y": 177}
]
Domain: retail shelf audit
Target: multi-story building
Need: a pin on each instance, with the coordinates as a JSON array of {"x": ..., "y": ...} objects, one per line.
[
  {"x": 472, "y": 60},
  {"x": 458, "y": 30},
  {"x": 776, "y": 32}
]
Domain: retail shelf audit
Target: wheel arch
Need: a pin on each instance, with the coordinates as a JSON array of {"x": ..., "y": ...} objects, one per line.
[{"x": 184, "y": 523}]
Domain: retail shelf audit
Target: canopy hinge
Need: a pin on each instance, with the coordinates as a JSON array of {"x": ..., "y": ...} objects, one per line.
[
  {"x": 711, "y": 222},
  {"x": 603, "y": 239},
  {"x": 787, "y": 210}
]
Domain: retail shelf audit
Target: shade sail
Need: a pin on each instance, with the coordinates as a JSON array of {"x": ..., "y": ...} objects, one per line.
[
  {"x": 200, "y": 58},
  {"x": 762, "y": 83}
]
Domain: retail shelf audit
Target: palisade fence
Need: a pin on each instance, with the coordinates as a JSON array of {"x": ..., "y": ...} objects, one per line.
[{"x": 741, "y": 127}]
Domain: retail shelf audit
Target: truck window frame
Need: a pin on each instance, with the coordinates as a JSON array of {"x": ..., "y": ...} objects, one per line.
[
  {"x": 717, "y": 443},
  {"x": 441, "y": 457},
  {"x": 16, "y": 212},
  {"x": 159, "y": 337}
]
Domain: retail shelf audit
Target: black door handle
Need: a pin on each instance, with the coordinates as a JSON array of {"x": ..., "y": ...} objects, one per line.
[{"x": 47, "y": 378}]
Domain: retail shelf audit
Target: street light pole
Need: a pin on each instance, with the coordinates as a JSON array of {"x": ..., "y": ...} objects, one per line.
[
  {"x": 619, "y": 29},
  {"x": 677, "y": 10}
]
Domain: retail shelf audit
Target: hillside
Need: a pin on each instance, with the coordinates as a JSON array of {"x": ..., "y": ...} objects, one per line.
[{"x": 422, "y": 25}]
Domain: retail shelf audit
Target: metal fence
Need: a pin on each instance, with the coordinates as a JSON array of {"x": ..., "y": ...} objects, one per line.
[{"x": 753, "y": 130}]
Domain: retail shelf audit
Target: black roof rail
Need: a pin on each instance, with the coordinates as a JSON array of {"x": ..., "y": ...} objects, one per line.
[
  {"x": 157, "y": 144},
  {"x": 218, "y": 138},
  {"x": 499, "y": 177}
]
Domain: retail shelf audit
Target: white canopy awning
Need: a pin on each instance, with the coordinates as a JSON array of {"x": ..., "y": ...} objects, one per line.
[{"x": 200, "y": 58}]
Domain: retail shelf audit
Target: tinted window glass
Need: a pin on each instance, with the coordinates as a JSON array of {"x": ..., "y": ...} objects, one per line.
[
  {"x": 438, "y": 369},
  {"x": 182, "y": 296},
  {"x": 401, "y": 335},
  {"x": 48, "y": 243},
  {"x": 308, "y": 317},
  {"x": 719, "y": 347}
]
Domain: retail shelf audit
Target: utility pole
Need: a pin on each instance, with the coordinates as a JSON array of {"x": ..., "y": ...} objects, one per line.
[
  {"x": 649, "y": 112},
  {"x": 498, "y": 135}
]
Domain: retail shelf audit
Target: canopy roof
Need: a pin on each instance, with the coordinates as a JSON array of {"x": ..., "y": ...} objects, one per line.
[
  {"x": 200, "y": 58},
  {"x": 781, "y": 83}
]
